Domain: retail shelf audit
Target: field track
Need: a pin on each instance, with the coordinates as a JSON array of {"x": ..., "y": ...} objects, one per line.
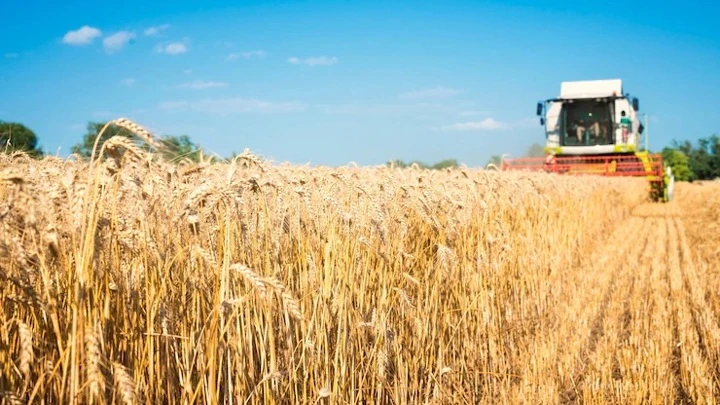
[
  {"x": 639, "y": 311},
  {"x": 137, "y": 281}
]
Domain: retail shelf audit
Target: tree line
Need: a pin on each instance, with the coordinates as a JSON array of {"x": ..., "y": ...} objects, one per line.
[
  {"x": 15, "y": 136},
  {"x": 534, "y": 150},
  {"x": 689, "y": 162}
]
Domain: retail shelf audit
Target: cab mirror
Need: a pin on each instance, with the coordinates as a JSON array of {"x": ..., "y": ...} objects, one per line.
[
  {"x": 539, "y": 109},
  {"x": 636, "y": 104},
  {"x": 542, "y": 121}
]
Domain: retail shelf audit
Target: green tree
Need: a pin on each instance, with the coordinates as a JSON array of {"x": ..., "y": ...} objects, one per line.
[
  {"x": 397, "y": 163},
  {"x": 704, "y": 158},
  {"x": 679, "y": 162},
  {"x": 714, "y": 149},
  {"x": 445, "y": 164},
  {"x": 175, "y": 147},
  {"x": 17, "y": 137},
  {"x": 495, "y": 160},
  {"x": 85, "y": 148},
  {"x": 403, "y": 164},
  {"x": 178, "y": 147}
]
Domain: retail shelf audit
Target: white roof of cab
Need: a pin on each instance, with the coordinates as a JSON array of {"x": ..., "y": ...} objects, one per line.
[{"x": 591, "y": 88}]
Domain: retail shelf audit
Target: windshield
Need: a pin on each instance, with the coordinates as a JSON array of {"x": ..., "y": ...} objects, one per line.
[{"x": 586, "y": 123}]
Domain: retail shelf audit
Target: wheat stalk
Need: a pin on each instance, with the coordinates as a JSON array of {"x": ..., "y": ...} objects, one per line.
[{"x": 152, "y": 283}]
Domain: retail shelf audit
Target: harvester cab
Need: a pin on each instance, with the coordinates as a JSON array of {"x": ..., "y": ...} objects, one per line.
[
  {"x": 593, "y": 128},
  {"x": 591, "y": 118}
]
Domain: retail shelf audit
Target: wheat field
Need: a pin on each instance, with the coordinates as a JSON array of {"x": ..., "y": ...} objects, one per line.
[{"x": 134, "y": 280}]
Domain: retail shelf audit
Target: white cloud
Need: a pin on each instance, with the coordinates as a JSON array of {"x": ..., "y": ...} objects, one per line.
[
  {"x": 487, "y": 124},
  {"x": 117, "y": 41},
  {"x": 314, "y": 61},
  {"x": 435, "y": 92},
  {"x": 127, "y": 82},
  {"x": 201, "y": 84},
  {"x": 82, "y": 36},
  {"x": 234, "y": 105},
  {"x": 246, "y": 55},
  {"x": 151, "y": 31},
  {"x": 175, "y": 48}
]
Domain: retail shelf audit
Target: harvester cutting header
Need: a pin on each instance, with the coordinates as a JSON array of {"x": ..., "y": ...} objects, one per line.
[{"x": 593, "y": 128}]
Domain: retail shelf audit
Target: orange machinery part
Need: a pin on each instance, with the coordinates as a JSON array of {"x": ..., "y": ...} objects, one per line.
[{"x": 604, "y": 165}]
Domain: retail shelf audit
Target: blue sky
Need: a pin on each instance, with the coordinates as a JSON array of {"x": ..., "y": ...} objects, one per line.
[{"x": 335, "y": 82}]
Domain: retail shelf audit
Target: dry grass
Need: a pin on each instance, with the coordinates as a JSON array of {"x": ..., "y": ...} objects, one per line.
[{"x": 138, "y": 281}]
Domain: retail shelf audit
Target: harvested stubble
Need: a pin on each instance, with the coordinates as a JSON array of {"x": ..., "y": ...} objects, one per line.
[{"x": 140, "y": 281}]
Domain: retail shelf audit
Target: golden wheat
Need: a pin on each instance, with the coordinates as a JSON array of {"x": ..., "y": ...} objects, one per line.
[{"x": 138, "y": 280}]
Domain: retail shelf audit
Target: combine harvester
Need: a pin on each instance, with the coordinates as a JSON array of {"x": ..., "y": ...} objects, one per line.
[{"x": 593, "y": 129}]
